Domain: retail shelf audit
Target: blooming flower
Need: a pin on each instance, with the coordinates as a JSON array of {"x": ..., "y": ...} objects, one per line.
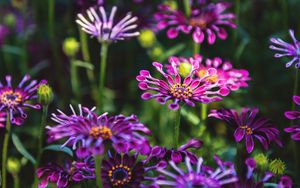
[
  {"x": 203, "y": 176},
  {"x": 177, "y": 156},
  {"x": 14, "y": 100},
  {"x": 294, "y": 115},
  {"x": 72, "y": 172},
  {"x": 226, "y": 74},
  {"x": 205, "y": 20},
  {"x": 247, "y": 125},
  {"x": 285, "y": 182},
  {"x": 104, "y": 29},
  {"x": 285, "y": 49},
  {"x": 90, "y": 132},
  {"x": 180, "y": 90}
]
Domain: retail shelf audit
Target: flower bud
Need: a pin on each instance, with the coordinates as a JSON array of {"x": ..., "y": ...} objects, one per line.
[
  {"x": 70, "y": 46},
  {"x": 156, "y": 52},
  {"x": 277, "y": 167},
  {"x": 147, "y": 38},
  {"x": 262, "y": 161},
  {"x": 13, "y": 165},
  {"x": 185, "y": 69},
  {"x": 45, "y": 94},
  {"x": 10, "y": 20}
]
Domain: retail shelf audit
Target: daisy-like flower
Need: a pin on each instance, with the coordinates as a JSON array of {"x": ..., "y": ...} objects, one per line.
[
  {"x": 202, "y": 176},
  {"x": 14, "y": 100},
  {"x": 186, "y": 90},
  {"x": 294, "y": 115},
  {"x": 76, "y": 171},
  {"x": 88, "y": 133},
  {"x": 103, "y": 27},
  {"x": 285, "y": 49},
  {"x": 178, "y": 156},
  {"x": 206, "y": 20},
  {"x": 230, "y": 77},
  {"x": 249, "y": 127}
]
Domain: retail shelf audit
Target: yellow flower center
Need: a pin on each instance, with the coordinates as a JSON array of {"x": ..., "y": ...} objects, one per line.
[
  {"x": 248, "y": 129},
  {"x": 11, "y": 98},
  {"x": 198, "y": 22},
  {"x": 100, "y": 131},
  {"x": 120, "y": 175},
  {"x": 181, "y": 91},
  {"x": 211, "y": 79}
]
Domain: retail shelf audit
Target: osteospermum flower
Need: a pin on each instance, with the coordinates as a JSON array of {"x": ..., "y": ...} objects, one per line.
[
  {"x": 103, "y": 27},
  {"x": 206, "y": 20},
  {"x": 249, "y": 127},
  {"x": 14, "y": 100},
  {"x": 88, "y": 133},
  {"x": 76, "y": 171},
  {"x": 226, "y": 75},
  {"x": 294, "y": 115},
  {"x": 186, "y": 90},
  {"x": 285, "y": 49},
  {"x": 202, "y": 176}
]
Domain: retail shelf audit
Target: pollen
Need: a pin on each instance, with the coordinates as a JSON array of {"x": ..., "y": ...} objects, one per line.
[
  {"x": 181, "y": 91},
  {"x": 248, "y": 129},
  {"x": 100, "y": 131},
  {"x": 120, "y": 175},
  {"x": 11, "y": 98}
]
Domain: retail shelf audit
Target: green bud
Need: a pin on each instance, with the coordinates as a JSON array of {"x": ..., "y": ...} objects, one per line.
[
  {"x": 262, "y": 161},
  {"x": 172, "y": 4},
  {"x": 10, "y": 20},
  {"x": 70, "y": 46},
  {"x": 277, "y": 167},
  {"x": 156, "y": 52},
  {"x": 13, "y": 165},
  {"x": 147, "y": 38},
  {"x": 185, "y": 69},
  {"x": 45, "y": 94}
]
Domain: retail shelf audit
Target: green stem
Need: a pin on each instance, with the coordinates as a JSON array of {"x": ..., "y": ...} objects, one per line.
[
  {"x": 104, "y": 49},
  {"x": 98, "y": 164},
  {"x": 187, "y": 7},
  {"x": 16, "y": 181},
  {"x": 40, "y": 142},
  {"x": 87, "y": 58},
  {"x": 241, "y": 156},
  {"x": 197, "y": 48},
  {"x": 203, "y": 117},
  {"x": 176, "y": 128},
  {"x": 4, "y": 150},
  {"x": 237, "y": 13},
  {"x": 74, "y": 80},
  {"x": 285, "y": 14}
]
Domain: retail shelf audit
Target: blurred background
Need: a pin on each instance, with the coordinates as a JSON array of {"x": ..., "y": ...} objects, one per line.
[{"x": 32, "y": 35}]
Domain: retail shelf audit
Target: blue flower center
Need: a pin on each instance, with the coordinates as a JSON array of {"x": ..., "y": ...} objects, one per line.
[
  {"x": 120, "y": 175},
  {"x": 10, "y": 98}
]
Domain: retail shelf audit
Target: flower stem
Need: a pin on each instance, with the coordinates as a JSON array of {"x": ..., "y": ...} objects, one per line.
[
  {"x": 40, "y": 142},
  {"x": 104, "y": 49},
  {"x": 4, "y": 150},
  {"x": 241, "y": 156},
  {"x": 87, "y": 58},
  {"x": 16, "y": 181},
  {"x": 203, "y": 117},
  {"x": 176, "y": 128},
  {"x": 98, "y": 164},
  {"x": 187, "y": 7},
  {"x": 74, "y": 80},
  {"x": 197, "y": 48}
]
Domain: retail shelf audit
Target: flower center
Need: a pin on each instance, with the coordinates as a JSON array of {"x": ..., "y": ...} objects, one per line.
[
  {"x": 248, "y": 129},
  {"x": 10, "y": 98},
  {"x": 181, "y": 91},
  {"x": 101, "y": 131},
  {"x": 119, "y": 175},
  {"x": 211, "y": 79},
  {"x": 198, "y": 22}
]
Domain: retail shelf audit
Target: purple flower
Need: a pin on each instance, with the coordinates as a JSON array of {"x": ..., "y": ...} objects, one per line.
[
  {"x": 201, "y": 177},
  {"x": 103, "y": 27},
  {"x": 285, "y": 182},
  {"x": 2, "y": 119},
  {"x": 186, "y": 90},
  {"x": 177, "y": 156},
  {"x": 247, "y": 125},
  {"x": 294, "y": 115},
  {"x": 205, "y": 20},
  {"x": 72, "y": 172},
  {"x": 285, "y": 49},
  {"x": 233, "y": 79},
  {"x": 88, "y": 133},
  {"x": 14, "y": 100}
]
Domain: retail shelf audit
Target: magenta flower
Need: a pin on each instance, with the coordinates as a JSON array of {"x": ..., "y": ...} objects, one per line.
[
  {"x": 202, "y": 176},
  {"x": 285, "y": 182},
  {"x": 88, "y": 133},
  {"x": 226, "y": 75},
  {"x": 285, "y": 49},
  {"x": 2, "y": 119},
  {"x": 103, "y": 27},
  {"x": 177, "y": 156},
  {"x": 14, "y": 100},
  {"x": 76, "y": 171},
  {"x": 206, "y": 20},
  {"x": 294, "y": 115},
  {"x": 186, "y": 90},
  {"x": 249, "y": 127}
]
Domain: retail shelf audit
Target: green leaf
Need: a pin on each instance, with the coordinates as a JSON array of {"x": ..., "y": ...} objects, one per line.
[
  {"x": 19, "y": 146},
  {"x": 59, "y": 148},
  {"x": 190, "y": 116},
  {"x": 12, "y": 49}
]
